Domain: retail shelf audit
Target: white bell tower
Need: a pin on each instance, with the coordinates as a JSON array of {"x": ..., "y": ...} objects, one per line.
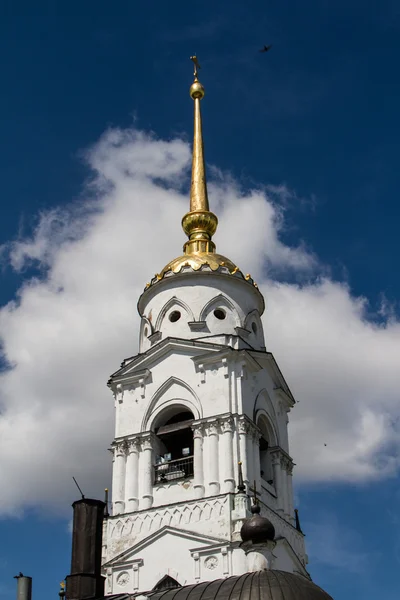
[{"x": 201, "y": 406}]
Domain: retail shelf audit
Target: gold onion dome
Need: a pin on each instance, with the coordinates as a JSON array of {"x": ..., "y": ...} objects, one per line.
[{"x": 199, "y": 223}]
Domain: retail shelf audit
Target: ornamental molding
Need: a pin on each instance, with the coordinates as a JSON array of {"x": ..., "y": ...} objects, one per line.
[
  {"x": 131, "y": 383},
  {"x": 211, "y": 562},
  {"x": 212, "y": 427},
  {"x": 279, "y": 456},
  {"x": 119, "y": 448},
  {"x": 244, "y": 361},
  {"x": 130, "y": 444},
  {"x": 133, "y": 445},
  {"x": 123, "y": 578},
  {"x": 198, "y": 429},
  {"x": 147, "y": 441},
  {"x": 169, "y": 346},
  {"x": 247, "y": 427},
  {"x": 156, "y": 523},
  {"x": 227, "y": 424}
]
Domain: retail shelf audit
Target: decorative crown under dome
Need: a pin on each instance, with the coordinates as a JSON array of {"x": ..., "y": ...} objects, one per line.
[{"x": 199, "y": 223}]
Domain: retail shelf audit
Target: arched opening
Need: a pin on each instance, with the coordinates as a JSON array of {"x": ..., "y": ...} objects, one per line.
[
  {"x": 266, "y": 470},
  {"x": 174, "y": 445},
  {"x": 166, "y": 583}
]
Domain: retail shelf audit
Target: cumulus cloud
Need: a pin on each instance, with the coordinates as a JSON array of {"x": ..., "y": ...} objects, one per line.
[{"x": 73, "y": 322}]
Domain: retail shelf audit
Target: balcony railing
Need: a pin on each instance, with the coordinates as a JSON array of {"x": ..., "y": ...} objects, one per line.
[{"x": 173, "y": 470}]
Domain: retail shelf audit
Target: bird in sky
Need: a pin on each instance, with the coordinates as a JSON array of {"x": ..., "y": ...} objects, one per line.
[{"x": 266, "y": 48}]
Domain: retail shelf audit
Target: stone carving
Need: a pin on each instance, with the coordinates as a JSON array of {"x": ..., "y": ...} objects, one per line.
[
  {"x": 243, "y": 427},
  {"x": 198, "y": 430},
  {"x": 133, "y": 445},
  {"x": 211, "y": 563},
  {"x": 123, "y": 578},
  {"x": 120, "y": 448},
  {"x": 147, "y": 443},
  {"x": 212, "y": 427},
  {"x": 226, "y": 424},
  {"x": 138, "y": 525}
]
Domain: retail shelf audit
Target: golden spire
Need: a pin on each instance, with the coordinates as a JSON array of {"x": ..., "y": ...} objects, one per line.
[{"x": 199, "y": 224}]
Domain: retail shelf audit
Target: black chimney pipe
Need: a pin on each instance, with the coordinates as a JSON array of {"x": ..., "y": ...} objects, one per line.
[{"x": 85, "y": 581}]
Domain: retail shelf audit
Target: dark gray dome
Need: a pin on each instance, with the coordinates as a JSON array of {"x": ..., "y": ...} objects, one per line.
[
  {"x": 257, "y": 529},
  {"x": 262, "y": 585}
]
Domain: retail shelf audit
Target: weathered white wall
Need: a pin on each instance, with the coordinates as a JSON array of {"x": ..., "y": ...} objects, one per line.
[{"x": 196, "y": 296}]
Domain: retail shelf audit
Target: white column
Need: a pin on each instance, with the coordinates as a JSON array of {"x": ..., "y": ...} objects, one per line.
[
  {"x": 290, "y": 492},
  {"x": 213, "y": 458},
  {"x": 198, "y": 466},
  {"x": 250, "y": 457},
  {"x": 285, "y": 486},
  {"x": 118, "y": 482},
  {"x": 147, "y": 471},
  {"x": 227, "y": 454},
  {"x": 256, "y": 459},
  {"x": 243, "y": 430},
  {"x": 132, "y": 476},
  {"x": 276, "y": 465}
]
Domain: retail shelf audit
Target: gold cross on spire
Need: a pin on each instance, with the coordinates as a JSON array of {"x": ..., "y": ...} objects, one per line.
[{"x": 196, "y": 63}]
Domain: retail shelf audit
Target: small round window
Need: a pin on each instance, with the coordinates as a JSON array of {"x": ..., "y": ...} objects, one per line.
[
  {"x": 219, "y": 314},
  {"x": 174, "y": 316},
  {"x": 254, "y": 327}
]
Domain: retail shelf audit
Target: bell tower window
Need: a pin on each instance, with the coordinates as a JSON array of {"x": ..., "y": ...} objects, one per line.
[{"x": 174, "y": 447}]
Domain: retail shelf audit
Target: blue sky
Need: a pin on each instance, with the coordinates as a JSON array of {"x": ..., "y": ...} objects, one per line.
[{"x": 317, "y": 117}]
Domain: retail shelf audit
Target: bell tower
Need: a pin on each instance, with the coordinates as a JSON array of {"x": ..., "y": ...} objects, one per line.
[{"x": 201, "y": 420}]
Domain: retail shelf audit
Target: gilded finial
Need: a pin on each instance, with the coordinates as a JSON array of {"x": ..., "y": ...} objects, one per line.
[{"x": 199, "y": 223}]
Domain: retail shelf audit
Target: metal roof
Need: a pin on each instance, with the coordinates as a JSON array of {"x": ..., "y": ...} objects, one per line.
[{"x": 262, "y": 585}]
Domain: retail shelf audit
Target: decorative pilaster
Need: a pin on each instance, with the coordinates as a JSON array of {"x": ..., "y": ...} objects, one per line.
[
  {"x": 285, "y": 496},
  {"x": 198, "y": 467},
  {"x": 227, "y": 454},
  {"x": 132, "y": 476},
  {"x": 118, "y": 485},
  {"x": 276, "y": 466},
  {"x": 213, "y": 458},
  {"x": 256, "y": 436},
  {"x": 290, "y": 492},
  {"x": 243, "y": 431},
  {"x": 147, "y": 462}
]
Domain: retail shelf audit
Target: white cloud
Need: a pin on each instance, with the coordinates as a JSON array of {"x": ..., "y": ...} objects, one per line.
[{"x": 70, "y": 328}]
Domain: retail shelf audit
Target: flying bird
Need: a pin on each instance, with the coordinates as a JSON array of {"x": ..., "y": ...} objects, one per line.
[{"x": 266, "y": 48}]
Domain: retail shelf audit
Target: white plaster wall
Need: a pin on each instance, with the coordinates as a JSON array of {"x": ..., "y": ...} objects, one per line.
[
  {"x": 209, "y": 517},
  {"x": 157, "y": 559},
  {"x": 196, "y": 296}
]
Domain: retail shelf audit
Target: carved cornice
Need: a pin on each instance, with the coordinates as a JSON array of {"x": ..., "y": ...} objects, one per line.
[
  {"x": 130, "y": 383},
  {"x": 279, "y": 456}
]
